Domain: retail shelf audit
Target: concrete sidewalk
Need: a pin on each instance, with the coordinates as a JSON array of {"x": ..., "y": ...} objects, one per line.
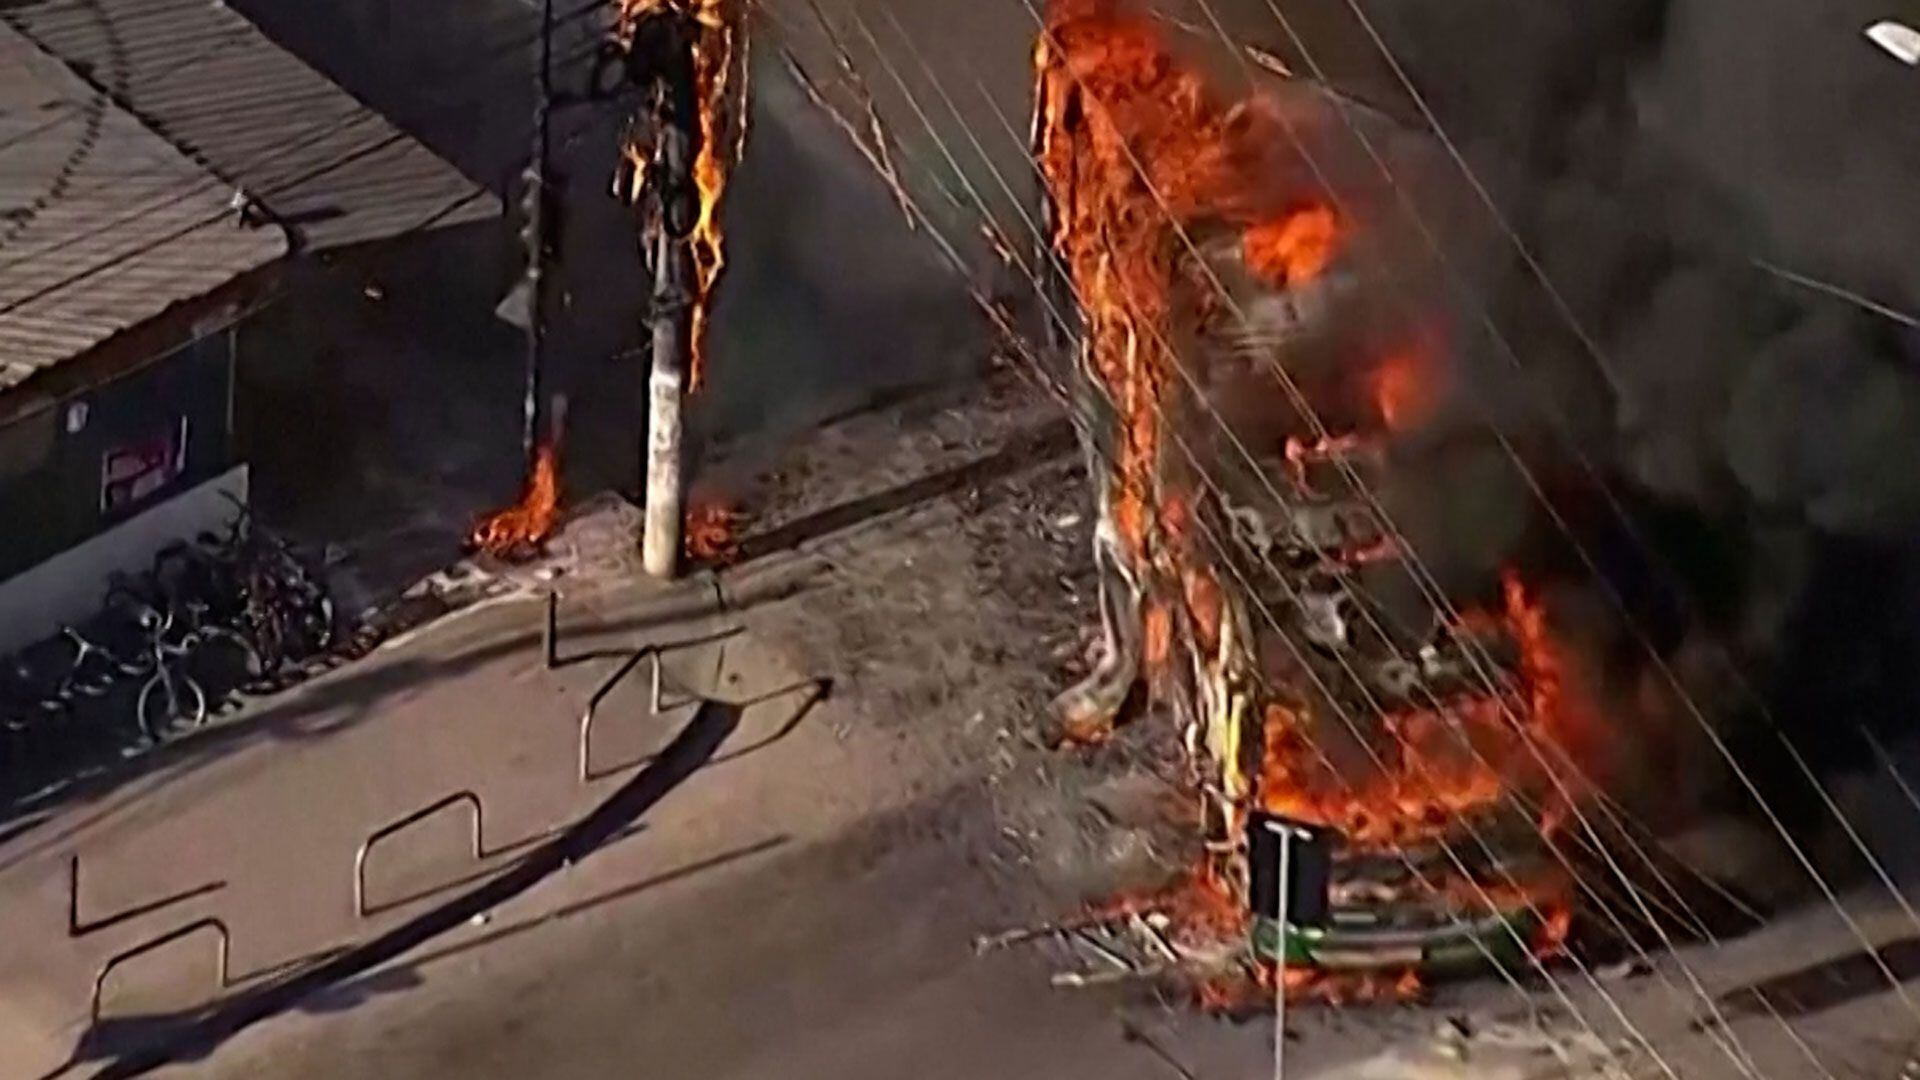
[
  {"x": 274, "y": 816},
  {"x": 799, "y": 906}
]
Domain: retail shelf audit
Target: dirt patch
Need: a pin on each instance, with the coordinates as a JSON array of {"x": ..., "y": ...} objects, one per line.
[{"x": 955, "y": 620}]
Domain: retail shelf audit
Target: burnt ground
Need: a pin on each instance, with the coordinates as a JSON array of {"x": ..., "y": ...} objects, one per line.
[{"x": 963, "y": 599}]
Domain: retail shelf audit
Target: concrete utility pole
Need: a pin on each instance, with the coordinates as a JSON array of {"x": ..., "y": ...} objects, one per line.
[
  {"x": 535, "y": 226},
  {"x": 666, "y": 386},
  {"x": 663, "y": 48}
]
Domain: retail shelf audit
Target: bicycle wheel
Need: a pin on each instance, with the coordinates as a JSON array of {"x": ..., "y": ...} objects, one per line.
[
  {"x": 169, "y": 698},
  {"x": 223, "y": 661}
]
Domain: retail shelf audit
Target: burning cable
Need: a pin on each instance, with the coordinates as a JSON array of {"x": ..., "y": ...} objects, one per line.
[
  {"x": 707, "y": 33},
  {"x": 519, "y": 530}
]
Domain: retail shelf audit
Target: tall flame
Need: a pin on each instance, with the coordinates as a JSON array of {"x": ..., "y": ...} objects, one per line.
[
  {"x": 1557, "y": 711},
  {"x": 1135, "y": 150},
  {"x": 1292, "y": 249},
  {"x": 520, "y": 529},
  {"x": 723, "y": 125}
]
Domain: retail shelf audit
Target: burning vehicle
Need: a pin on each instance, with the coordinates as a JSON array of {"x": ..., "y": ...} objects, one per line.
[{"x": 1246, "y": 392}]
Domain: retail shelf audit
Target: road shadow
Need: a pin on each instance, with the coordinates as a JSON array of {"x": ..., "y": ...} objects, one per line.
[
  {"x": 115, "y": 1036},
  {"x": 194, "y": 1036},
  {"x": 812, "y": 693},
  {"x": 1828, "y": 984},
  {"x": 1049, "y": 442},
  {"x": 611, "y": 896},
  {"x": 491, "y": 866}
]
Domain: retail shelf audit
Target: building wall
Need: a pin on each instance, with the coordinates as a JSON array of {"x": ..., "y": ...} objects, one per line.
[
  {"x": 66, "y": 588},
  {"x": 106, "y": 455}
]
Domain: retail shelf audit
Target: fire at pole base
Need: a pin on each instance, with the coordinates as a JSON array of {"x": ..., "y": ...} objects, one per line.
[
  {"x": 1246, "y": 392},
  {"x": 521, "y": 530},
  {"x": 685, "y": 58}
]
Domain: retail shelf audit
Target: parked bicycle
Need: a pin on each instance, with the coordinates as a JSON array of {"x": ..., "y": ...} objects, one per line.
[
  {"x": 287, "y": 608},
  {"x": 170, "y": 695},
  {"x": 232, "y": 612}
]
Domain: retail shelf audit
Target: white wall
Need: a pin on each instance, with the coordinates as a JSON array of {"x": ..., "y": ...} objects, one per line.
[{"x": 68, "y": 587}]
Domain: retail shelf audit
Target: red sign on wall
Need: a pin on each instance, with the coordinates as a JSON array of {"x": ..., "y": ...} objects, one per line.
[{"x": 131, "y": 472}]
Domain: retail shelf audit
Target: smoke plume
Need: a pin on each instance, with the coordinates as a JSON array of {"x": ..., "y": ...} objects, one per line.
[{"x": 1652, "y": 155}]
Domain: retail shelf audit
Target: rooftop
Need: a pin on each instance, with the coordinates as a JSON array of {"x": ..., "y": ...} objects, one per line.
[
  {"x": 325, "y": 166},
  {"x": 128, "y": 129},
  {"x": 103, "y": 223}
]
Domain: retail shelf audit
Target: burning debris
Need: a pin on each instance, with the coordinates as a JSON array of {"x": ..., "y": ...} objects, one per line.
[
  {"x": 712, "y": 532},
  {"x": 1190, "y": 937},
  {"x": 1237, "y": 558},
  {"x": 519, "y": 531}
]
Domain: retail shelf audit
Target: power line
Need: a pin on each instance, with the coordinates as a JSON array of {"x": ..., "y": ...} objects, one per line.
[
  {"x": 1326, "y": 691},
  {"x": 1550, "y": 767},
  {"x": 1625, "y": 520}
]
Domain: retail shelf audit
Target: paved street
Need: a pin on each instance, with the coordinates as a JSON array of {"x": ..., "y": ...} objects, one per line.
[
  {"x": 797, "y": 901},
  {"x": 808, "y": 879}
]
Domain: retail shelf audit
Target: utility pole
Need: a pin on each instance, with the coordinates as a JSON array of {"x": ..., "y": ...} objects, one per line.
[
  {"x": 666, "y": 382},
  {"x": 667, "y": 39},
  {"x": 535, "y": 201}
]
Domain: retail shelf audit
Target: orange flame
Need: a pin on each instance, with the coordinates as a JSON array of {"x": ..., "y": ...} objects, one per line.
[
  {"x": 1134, "y": 148},
  {"x": 711, "y": 532},
  {"x": 1551, "y": 937},
  {"x": 1302, "y": 452},
  {"x": 1201, "y": 909},
  {"x": 1307, "y": 985},
  {"x": 1199, "y": 906},
  {"x": 1293, "y": 249},
  {"x": 520, "y": 529},
  {"x": 722, "y": 114},
  {"x": 1555, "y": 710},
  {"x": 1403, "y": 391},
  {"x": 1428, "y": 782},
  {"x": 1442, "y": 764}
]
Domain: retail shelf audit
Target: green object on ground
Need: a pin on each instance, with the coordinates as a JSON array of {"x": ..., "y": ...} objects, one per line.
[{"x": 1364, "y": 941}]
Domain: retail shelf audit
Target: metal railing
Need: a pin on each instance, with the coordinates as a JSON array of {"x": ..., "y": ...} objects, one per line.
[
  {"x": 592, "y": 711},
  {"x": 360, "y": 908},
  {"x": 550, "y": 640},
  {"x": 209, "y": 923},
  {"x": 658, "y": 701},
  {"x": 77, "y": 927},
  {"x": 656, "y": 697}
]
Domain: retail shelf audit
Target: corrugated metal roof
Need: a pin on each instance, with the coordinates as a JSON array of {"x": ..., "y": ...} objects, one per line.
[
  {"x": 200, "y": 74},
  {"x": 103, "y": 223}
]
